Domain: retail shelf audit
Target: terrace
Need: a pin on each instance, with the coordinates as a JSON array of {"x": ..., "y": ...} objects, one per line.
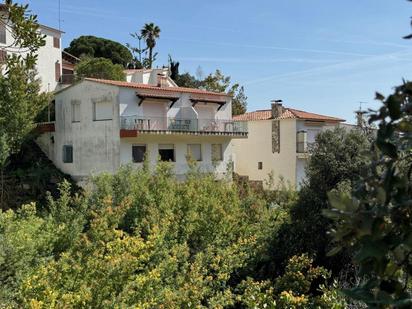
[{"x": 130, "y": 124}]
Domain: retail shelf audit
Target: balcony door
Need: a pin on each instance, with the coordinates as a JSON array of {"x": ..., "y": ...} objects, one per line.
[
  {"x": 206, "y": 115},
  {"x": 155, "y": 114}
]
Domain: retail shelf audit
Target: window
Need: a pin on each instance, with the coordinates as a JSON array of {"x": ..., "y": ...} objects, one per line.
[
  {"x": 67, "y": 154},
  {"x": 138, "y": 153},
  {"x": 194, "y": 151},
  {"x": 217, "y": 154},
  {"x": 3, "y": 56},
  {"x": 260, "y": 165},
  {"x": 75, "y": 111},
  {"x": 102, "y": 111},
  {"x": 56, "y": 42},
  {"x": 57, "y": 71},
  {"x": 2, "y": 32},
  {"x": 167, "y": 152}
]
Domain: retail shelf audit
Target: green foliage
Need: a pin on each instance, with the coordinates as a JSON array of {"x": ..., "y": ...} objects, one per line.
[
  {"x": 142, "y": 239},
  {"x": 337, "y": 160},
  {"x": 150, "y": 33},
  {"x": 147, "y": 240},
  {"x": 293, "y": 288},
  {"x": 28, "y": 175},
  {"x": 375, "y": 219},
  {"x": 94, "y": 47},
  {"x": 20, "y": 101},
  {"x": 216, "y": 82},
  {"x": 101, "y": 68}
]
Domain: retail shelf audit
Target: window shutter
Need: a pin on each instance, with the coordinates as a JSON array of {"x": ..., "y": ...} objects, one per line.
[
  {"x": 56, "y": 42},
  {"x": 3, "y": 56},
  {"x": 57, "y": 71}
]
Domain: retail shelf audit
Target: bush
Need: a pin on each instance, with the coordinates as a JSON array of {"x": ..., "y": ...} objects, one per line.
[{"x": 100, "y": 68}]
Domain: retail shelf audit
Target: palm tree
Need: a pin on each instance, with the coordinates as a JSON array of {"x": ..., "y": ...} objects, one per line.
[{"x": 150, "y": 32}]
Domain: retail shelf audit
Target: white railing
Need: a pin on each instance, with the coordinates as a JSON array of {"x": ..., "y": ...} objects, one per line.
[{"x": 177, "y": 124}]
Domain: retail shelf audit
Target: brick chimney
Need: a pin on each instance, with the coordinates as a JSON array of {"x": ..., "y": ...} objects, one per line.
[
  {"x": 162, "y": 81},
  {"x": 277, "y": 108}
]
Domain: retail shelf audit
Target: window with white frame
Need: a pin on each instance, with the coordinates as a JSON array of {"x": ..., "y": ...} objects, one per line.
[
  {"x": 138, "y": 153},
  {"x": 167, "y": 152},
  {"x": 102, "y": 110},
  {"x": 217, "y": 152},
  {"x": 194, "y": 151},
  {"x": 68, "y": 154},
  {"x": 75, "y": 111}
]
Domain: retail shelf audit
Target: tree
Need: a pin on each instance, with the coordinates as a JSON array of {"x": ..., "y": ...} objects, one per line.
[
  {"x": 216, "y": 82},
  {"x": 150, "y": 33},
  {"x": 174, "y": 68},
  {"x": 146, "y": 240},
  {"x": 375, "y": 219},
  {"x": 20, "y": 97},
  {"x": 336, "y": 162},
  {"x": 95, "y": 47},
  {"x": 101, "y": 68}
]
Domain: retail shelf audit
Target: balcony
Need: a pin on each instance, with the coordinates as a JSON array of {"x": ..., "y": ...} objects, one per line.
[{"x": 182, "y": 126}]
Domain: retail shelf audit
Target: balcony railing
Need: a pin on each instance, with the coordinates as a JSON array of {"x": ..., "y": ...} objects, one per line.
[{"x": 185, "y": 125}]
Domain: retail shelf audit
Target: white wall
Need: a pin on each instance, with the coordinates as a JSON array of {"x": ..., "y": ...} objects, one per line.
[
  {"x": 258, "y": 148},
  {"x": 96, "y": 144},
  {"x": 47, "y": 57},
  {"x": 180, "y": 143}
]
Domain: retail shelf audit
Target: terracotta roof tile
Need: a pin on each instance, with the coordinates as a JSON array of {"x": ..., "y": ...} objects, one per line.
[
  {"x": 289, "y": 113},
  {"x": 311, "y": 116},
  {"x": 156, "y": 89},
  {"x": 252, "y": 116}
]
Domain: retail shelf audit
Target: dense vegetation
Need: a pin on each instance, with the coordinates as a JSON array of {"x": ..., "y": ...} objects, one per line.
[
  {"x": 94, "y": 47},
  {"x": 146, "y": 240},
  {"x": 99, "y": 68},
  {"x": 374, "y": 220}
]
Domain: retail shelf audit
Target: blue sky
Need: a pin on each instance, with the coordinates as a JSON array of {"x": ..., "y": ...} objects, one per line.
[{"x": 323, "y": 56}]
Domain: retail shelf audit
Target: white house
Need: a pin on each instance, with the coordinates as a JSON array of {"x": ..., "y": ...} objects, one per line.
[
  {"x": 103, "y": 124},
  {"x": 49, "y": 62},
  {"x": 278, "y": 143}
]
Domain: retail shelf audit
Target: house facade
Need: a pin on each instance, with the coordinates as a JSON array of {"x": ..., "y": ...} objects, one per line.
[
  {"x": 49, "y": 61},
  {"x": 101, "y": 125},
  {"x": 278, "y": 143}
]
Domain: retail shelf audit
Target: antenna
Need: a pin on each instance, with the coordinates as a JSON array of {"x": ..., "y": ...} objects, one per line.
[
  {"x": 360, "y": 105},
  {"x": 59, "y": 15}
]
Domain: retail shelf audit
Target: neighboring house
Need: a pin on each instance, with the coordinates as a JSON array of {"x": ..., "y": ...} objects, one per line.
[
  {"x": 103, "y": 124},
  {"x": 278, "y": 143},
  {"x": 49, "y": 62},
  {"x": 149, "y": 76},
  {"x": 69, "y": 63}
]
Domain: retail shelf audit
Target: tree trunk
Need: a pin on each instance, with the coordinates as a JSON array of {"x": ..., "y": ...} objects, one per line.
[{"x": 150, "y": 57}]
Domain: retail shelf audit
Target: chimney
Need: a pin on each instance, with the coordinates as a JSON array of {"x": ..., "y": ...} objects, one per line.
[
  {"x": 162, "y": 81},
  {"x": 359, "y": 119},
  {"x": 277, "y": 108}
]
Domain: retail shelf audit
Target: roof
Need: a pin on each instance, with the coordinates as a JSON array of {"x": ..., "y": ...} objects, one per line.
[
  {"x": 156, "y": 89},
  {"x": 288, "y": 113}
]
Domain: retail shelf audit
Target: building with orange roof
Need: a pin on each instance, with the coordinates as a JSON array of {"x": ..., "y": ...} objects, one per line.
[
  {"x": 101, "y": 125},
  {"x": 278, "y": 142}
]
